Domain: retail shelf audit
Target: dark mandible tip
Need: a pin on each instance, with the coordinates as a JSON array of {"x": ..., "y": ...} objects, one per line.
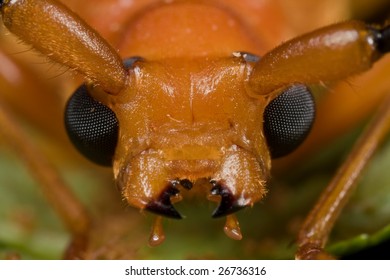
[
  {"x": 163, "y": 205},
  {"x": 229, "y": 203}
]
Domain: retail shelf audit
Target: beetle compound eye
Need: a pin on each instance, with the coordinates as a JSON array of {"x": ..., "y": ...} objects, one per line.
[
  {"x": 92, "y": 127},
  {"x": 288, "y": 119}
]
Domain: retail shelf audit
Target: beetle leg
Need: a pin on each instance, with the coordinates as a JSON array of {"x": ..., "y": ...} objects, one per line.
[
  {"x": 317, "y": 226},
  {"x": 68, "y": 207}
]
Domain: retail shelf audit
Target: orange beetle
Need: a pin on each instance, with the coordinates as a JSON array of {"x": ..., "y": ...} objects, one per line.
[{"x": 192, "y": 107}]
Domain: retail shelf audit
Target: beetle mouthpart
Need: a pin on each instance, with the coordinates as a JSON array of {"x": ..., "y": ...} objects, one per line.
[
  {"x": 232, "y": 227},
  {"x": 163, "y": 205},
  {"x": 187, "y": 184},
  {"x": 157, "y": 235},
  {"x": 229, "y": 203}
]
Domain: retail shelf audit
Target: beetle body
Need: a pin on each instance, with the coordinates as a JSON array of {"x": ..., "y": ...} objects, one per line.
[
  {"x": 187, "y": 115},
  {"x": 186, "y": 29}
]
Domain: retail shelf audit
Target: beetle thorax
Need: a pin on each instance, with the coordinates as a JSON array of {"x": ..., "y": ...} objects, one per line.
[{"x": 186, "y": 29}]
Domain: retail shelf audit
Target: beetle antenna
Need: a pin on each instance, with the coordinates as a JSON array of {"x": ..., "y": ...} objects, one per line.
[
  {"x": 352, "y": 45},
  {"x": 79, "y": 47}
]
